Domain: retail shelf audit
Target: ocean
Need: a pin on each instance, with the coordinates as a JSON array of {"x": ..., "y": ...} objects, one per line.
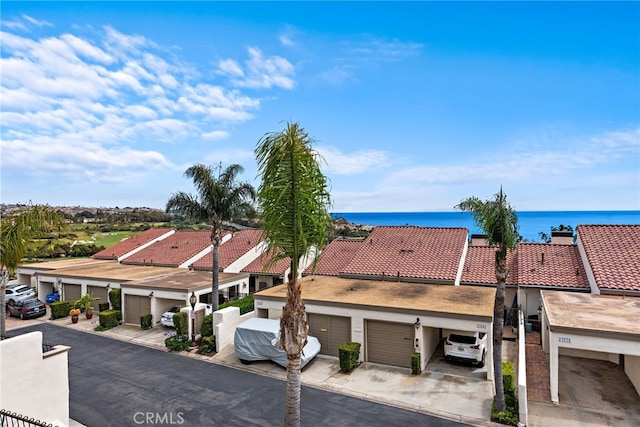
[{"x": 531, "y": 223}]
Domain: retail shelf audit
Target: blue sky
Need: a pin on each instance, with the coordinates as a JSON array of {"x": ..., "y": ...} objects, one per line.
[{"x": 414, "y": 106}]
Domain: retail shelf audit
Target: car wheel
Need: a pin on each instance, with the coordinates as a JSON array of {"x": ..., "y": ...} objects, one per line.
[
  {"x": 245, "y": 362},
  {"x": 21, "y": 316},
  {"x": 481, "y": 364}
]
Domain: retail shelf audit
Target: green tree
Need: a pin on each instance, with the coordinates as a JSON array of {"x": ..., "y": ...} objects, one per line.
[
  {"x": 220, "y": 197},
  {"x": 294, "y": 199},
  {"x": 498, "y": 220},
  {"x": 547, "y": 238},
  {"x": 15, "y": 233}
]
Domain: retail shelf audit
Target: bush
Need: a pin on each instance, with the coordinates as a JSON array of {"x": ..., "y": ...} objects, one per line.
[
  {"x": 60, "y": 309},
  {"x": 110, "y": 318},
  {"x": 416, "y": 367},
  {"x": 207, "y": 326},
  {"x": 208, "y": 345},
  {"x": 510, "y": 415},
  {"x": 180, "y": 323},
  {"x": 103, "y": 306},
  {"x": 349, "y": 355},
  {"x": 177, "y": 342},
  {"x": 146, "y": 321},
  {"x": 100, "y": 328},
  {"x": 244, "y": 304},
  {"x": 115, "y": 298}
]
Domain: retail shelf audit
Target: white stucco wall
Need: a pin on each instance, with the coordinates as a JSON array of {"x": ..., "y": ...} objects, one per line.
[
  {"x": 632, "y": 369},
  {"x": 429, "y": 343},
  {"x": 226, "y": 321},
  {"x": 523, "y": 409},
  {"x": 22, "y": 360}
]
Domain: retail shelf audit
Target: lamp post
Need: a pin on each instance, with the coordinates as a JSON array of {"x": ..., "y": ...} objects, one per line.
[{"x": 192, "y": 301}]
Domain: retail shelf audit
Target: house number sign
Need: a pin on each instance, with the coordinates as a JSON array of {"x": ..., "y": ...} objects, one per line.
[{"x": 566, "y": 340}]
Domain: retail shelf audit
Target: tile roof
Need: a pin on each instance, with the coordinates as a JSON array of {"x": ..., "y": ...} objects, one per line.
[
  {"x": 542, "y": 264},
  {"x": 258, "y": 266},
  {"x": 562, "y": 266},
  {"x": 334, "y": 257},
  {"x": 427, "y": 253},
  {"x": 613, "y": 252},
  {"x": 228, "y": 252},
  {"x": 124, "y": 247},
  {"x": 172, "y": 251}
]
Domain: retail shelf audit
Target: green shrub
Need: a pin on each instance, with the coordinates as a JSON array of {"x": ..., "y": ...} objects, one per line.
[
  {"x": 103, "y": 306},
  {"x": 207, "y": 326},
  {"x": 60, "y": 309},
  {"x": 110, "y": 318},
  {"x": 177, "y": 342},
  {"x": 244, "y": 304},
  {"x": 208, "y": 345},
  {"x": 100, "y": 328},
  {"x": 349, "y": 355},
  {"x": 180, "y": 323},
  {"x": 146, "y": 321},
  {"x": 416, "y": 367},
  {"x": 511, "y": 414},
  {"x": 115, "y": 298}
]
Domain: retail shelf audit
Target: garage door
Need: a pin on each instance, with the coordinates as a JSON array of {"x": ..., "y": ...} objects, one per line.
[
  {"x": 136, "y": 306},
  {"x": 98, "y": 292},
  {"x": 331, "y": 331},
  {"x": 389, "y": 343},
  {"x": 71, "y": 292}
]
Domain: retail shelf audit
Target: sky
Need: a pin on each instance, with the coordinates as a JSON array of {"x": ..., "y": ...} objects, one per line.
[{"x": 412, "y": 106}]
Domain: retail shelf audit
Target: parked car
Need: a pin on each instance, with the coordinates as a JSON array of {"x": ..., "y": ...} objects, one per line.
[
  {"x": 167, "y": 316},
  {"x": 259, "y": 339},
  {"x": 15, "y": 293},
  {"x": 28, "y": 309},
  {"x": 466, "y": 346},
  {"x": 52, "y": 297}
]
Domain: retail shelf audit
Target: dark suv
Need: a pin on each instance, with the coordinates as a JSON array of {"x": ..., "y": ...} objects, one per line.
[{"x": 28, "y": 309}]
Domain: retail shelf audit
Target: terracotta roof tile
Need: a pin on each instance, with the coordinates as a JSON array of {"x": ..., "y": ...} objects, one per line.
[
  {"x": 258, "y": 266},
  {"x": 613, "y": 252},
  {"x": 427, "y": 253},
  {"x": 228, "y": 252},
  {"x": 479, "y": 266},
  {"x": 334, "y": 257},
  {"x": 172, "y": 251},
  {"x": 545, "y": 264},
  {"x": 124, "y": 247}
]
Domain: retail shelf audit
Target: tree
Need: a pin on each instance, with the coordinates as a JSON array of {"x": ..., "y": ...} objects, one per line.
[
  {"x": 497, "y": 219},
  {"x": 547, "y": 239},
  {"x": 220, "y": 197},
  {"x": 15, "y": 233},
  {"x": 294, "y": 200}
]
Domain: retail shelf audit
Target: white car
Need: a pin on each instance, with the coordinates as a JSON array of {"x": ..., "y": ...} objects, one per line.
[
  {"x": 259, "y": 339},
  {"x": 466, "y": 346},
  {"x": 167, "y": 316},
  {"x": 15, "y": 293}
]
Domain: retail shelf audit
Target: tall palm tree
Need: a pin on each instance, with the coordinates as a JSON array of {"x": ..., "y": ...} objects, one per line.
[
  {"x": 15, "y": 232},
  {"x": 498, "y": 220},
  {"x": 294, "y": 200},
  {"x": 221, "y": 197}
]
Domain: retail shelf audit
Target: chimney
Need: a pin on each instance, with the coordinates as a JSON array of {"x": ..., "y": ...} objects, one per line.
[
  {"x": 562, "y": 237},
  {"x": 478, "y": 240}
]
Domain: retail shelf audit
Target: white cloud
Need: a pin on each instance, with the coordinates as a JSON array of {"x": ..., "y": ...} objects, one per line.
[
  {"x": 36, "y": 22},
  {"x": 260, "y": 72},
  {"x": 379, "y": 49},
  {"x": 228, "y": 156},
  {"x": 215, "y": 135},
  {"x": 357, "y": 162},
  {"x": 338, "y": 75}
]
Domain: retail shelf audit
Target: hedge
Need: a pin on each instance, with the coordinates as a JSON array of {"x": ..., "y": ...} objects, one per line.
[
  {"x": 110, "y": 318},
  {"x": 245, "y": 305},
  {"x": 115, "y": 298},
  {"x": 60, "y": 309},
  {"x": 146, "y": 321},
  {"x": 180, "y": 323},
  {"x": 349, "y": 355},
  {"x": 103, "y": 306},
  {"x": 416, "y": 367},
  {"x": 511, "y": 414}
]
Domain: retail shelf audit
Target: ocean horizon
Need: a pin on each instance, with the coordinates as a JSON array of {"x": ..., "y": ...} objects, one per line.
[{"x": 530, "y": 223}]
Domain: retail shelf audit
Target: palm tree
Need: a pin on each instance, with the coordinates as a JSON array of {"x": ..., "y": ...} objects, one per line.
[
  {"x": 220, "y": 198},
  {"x": 15, "y": 232},
  {"x": 294, "y": 200},
  {"x": 497, "y": 219}
]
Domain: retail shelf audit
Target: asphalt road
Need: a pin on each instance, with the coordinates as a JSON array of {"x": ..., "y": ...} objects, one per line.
[{"x": 113, "y": 383}]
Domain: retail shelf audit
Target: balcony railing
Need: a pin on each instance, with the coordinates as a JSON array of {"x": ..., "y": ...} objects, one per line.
[{"x": 13, "y": 419}]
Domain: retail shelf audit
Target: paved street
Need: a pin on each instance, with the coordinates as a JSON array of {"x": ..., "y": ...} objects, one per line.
[{"x": 117, "y": 383}]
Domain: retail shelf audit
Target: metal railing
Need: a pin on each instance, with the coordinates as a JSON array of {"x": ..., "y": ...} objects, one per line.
[
  {"x": 13, "y": 419},
  {"x": 45, "y": 346}
]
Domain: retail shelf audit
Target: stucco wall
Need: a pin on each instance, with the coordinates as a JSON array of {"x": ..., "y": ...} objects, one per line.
[
  {"x": 632, "y": 369},
  {"x": 226, "y": 321},
  {"x": 430, "y": 341},
  {"x": 587, "y": 354},
  {"x": 21, "y": 360}
]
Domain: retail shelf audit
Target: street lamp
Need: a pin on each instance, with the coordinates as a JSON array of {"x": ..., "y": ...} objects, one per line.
[{"x": 192, "y": 301}]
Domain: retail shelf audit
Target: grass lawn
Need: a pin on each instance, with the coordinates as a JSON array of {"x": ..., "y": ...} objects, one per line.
[{"x": 111, "y": 238}]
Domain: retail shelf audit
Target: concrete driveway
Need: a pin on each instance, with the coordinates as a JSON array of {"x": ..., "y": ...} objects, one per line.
[{"x": 118, "y": 383}]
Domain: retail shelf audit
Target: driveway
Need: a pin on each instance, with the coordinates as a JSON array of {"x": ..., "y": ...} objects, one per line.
[{"x": 116, "y": 383}]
